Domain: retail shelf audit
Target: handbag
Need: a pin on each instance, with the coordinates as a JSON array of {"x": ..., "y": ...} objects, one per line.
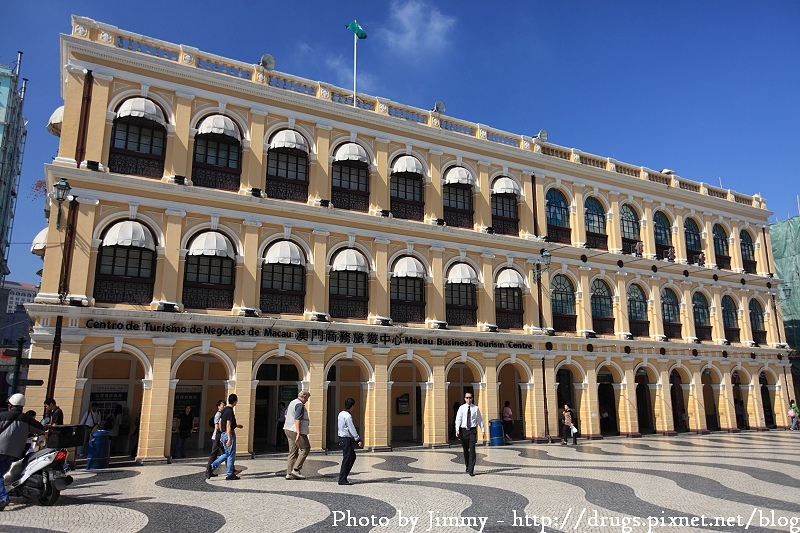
[
  {"x": 573, "y": 430},
  {"x": 792, "y": 413}
]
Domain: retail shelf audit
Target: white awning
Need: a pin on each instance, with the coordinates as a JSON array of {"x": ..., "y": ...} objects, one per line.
[
  {"x": 458, "y": 175},
  {"x": 510, "y": 278},
  {"x": 462, "y": 273},
  {"x": 39, "y": 243},
  {"x": 56, "y": 119},
  {"x": 212, "y": 243},
  {"x": 289, "y": 139},
  {"x": 219, "y": 124},
  {"x": 408, "y": 267},
  {"x": 351, "y": 152},
  {"x": 505, "y": 185},
  {"x": 349, "y": 259},
  {"x": 129, "y": 233},
  {"x": 284, "y": 252},
  {"x": 142, "y": 107},
  {"x": 408, "y": 163}
]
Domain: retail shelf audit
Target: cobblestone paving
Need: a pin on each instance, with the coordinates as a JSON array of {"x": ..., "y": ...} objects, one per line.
[{"x": 658, "y": 484}]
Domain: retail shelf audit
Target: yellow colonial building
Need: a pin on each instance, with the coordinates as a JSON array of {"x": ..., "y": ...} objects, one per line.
[{"x": 235, "y": 229}]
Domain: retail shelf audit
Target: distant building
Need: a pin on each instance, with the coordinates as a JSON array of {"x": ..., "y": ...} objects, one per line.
[
  {"x": 12, "y": 146},
  {"x": 14, "y": 293},
  {"x": 15, "y": 322},
  {"x": 785, "y": 250}
]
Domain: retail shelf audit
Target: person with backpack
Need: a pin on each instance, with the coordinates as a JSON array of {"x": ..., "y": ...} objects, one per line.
[{"x": 216, "y": 448}]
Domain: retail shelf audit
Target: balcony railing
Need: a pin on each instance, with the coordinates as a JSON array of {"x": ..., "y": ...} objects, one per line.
[
  {"x": 603, "y": 325},
  {"x": 123, "y": 163},
  {"x": 407, "y": 210},
  {"x": 215, "y": 179},
  {"x": 276, "y": 303},
  {"x": 673, "y": 331},
  {"x": 347, "y": 308},
  {"x": 564, "y": 322},
  {"x": 120, "y": 291},
  {"x": 345, "y": 199},
  {"x": 459, "y": 316},
  {"x": 458, "y": 219},
  {"x": 703, "y": 332},
  {"x": 283, "y": 189},
  {"x": 559, "y": 234},
  {"x": 505, "y": 226},
  {"x": 640, "y": 328},
  {"x": 732, "y": 334},
  {"x": 207, "y": 296},
  {"x": 723, "y": 262},
  {"x": 509, "y": 319},
  {"x": 760, "y": 337},
  {"x": 749, "y": 266},
  {"x": 407, "y": 312},
  {"x": 598, "y": 241}
]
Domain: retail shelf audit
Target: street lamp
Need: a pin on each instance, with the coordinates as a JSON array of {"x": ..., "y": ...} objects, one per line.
[{"x": 60, "y": 194}]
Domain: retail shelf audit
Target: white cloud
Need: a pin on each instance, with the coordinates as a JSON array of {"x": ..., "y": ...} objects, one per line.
[
  {"x": 342, "y": 68},
  {"x": 416, "y": 29}
]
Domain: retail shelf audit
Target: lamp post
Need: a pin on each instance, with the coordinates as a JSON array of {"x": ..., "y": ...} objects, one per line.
[
  {"x": 537, "y": 275},
  {"x": 60, "y": 194}
]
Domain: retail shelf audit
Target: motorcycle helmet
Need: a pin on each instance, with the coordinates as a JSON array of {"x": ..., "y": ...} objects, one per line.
[{"x": 17, "y": 400}]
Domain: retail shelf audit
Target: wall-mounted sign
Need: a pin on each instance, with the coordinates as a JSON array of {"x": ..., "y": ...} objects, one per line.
[{"x": 403, "y": 406}]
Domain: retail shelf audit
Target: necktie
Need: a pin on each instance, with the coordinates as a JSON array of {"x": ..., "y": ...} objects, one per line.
[{"x": 469, "y": 417}]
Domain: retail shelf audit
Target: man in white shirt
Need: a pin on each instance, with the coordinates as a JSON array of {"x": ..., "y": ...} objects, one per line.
[
  {"x": 468, "y": 419},
  {"x": 296, "y": 430},
  {"x": 348, "y": 439}
]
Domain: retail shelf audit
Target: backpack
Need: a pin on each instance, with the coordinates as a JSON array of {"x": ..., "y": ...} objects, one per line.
[
  {"x": 211, "y": 422},
  {"x": 109, "y": 423}
]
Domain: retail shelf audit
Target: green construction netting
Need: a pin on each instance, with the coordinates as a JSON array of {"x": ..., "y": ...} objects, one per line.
[{"x": 786, "y": 251}]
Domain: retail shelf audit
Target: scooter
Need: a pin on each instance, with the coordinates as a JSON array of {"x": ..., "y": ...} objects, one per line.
[{"x": 39, "y": 476}]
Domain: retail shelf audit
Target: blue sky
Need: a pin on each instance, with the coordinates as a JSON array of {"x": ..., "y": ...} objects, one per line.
[{"x": 708, "y": 89}]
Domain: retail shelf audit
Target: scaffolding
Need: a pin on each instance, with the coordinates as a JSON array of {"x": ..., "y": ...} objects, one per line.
[{"x": 785, "y": 250}]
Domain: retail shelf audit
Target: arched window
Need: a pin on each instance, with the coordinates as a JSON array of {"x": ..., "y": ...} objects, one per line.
[
  {"x": 563, "y": 303},
  {"x": 138, "y": 140},
  {"x": 349, "y": 285},
  {"x": 702, "y": 321},
  {"x": 407, "y": 292},
  {"x": 662, "y": 231},
  {"x": 287, "y": 167},
  {"x": 217, "y": 154},
  {"x": 730, "y": 319},
  {"x": 350, "y": 179},
  {"x": 407, "y": 186},
  {"x": 508, "y": 299},
  {"x": 595, "y": 215},
  {"x": 637, "y": 312},
  {"x": 210, "y": 272},
  {"x": 602, "y": 312},
  {"x": 460, "y": 296},
  {"x": 457, "y": 197},
  {"x": 721, "y": 253},
  {"x": 126, "y": 265},
  {"x": 283, "y": 279},
  {"x": 557, "y": 210},
  {"x": 671, "y": 314},
  {"x": 505, "y": 197},
  {"x": 629, "y": 224},
  {"x": 748, "y": 252},
  {"x": 757, "y": 323},
  {"x": 691, "y": 233}
]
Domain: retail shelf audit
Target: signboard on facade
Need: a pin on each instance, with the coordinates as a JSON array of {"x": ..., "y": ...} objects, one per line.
[{"x": 302, "y": 335}]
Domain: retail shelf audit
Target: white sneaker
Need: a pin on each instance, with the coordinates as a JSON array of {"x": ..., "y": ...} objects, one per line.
[{"x": 297, "y": 474}]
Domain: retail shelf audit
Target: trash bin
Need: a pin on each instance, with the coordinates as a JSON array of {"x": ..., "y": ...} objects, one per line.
[
  {"x": 496, "y": 437},
  {"x": 99, "y": 450}
]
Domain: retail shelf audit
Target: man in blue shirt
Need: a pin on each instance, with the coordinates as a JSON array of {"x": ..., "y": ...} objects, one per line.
[
  {"x": 468, "y": 419},
  {"x": 348, "y": 439}
]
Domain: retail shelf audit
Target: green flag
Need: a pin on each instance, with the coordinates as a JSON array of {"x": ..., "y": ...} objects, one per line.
[{"x": 356, "y": 28}]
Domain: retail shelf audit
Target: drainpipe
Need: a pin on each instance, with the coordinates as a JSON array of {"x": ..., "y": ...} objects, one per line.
[{"x": 83, "y": 124}]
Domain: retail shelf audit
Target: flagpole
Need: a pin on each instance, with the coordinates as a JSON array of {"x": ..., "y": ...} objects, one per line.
[{"x": 355, "y": 42}]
